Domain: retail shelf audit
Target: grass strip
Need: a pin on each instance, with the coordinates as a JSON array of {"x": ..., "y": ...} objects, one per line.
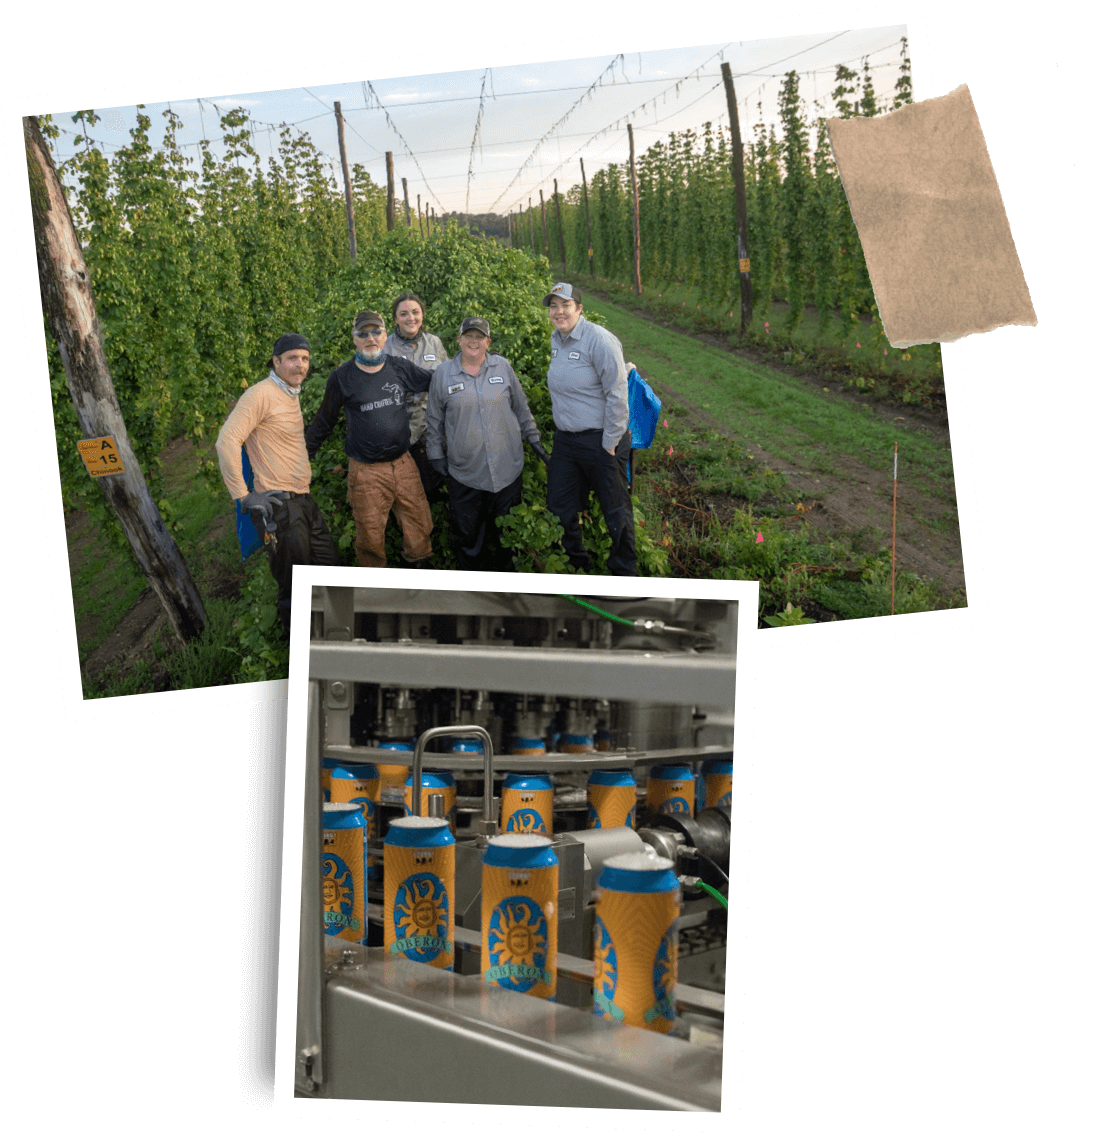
[{"x": 780, "y": 413}]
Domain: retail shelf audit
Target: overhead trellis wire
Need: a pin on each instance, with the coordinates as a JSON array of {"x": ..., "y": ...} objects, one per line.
[
  {"x": 476, "y": 137},
  {"x": 587, "y": 94},
  {"x": 372, "y": 99},
  {"x": 696, "y": 73},
  {"x": 622, "y": 120}
]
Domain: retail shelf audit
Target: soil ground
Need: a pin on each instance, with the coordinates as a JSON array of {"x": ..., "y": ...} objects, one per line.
[
  {"x": 856, "y": 499},
  {"x": 145, "y": 626}
]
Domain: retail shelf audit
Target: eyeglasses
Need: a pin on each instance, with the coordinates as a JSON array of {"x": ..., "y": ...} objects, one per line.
[{"x": 370, "y": 333}]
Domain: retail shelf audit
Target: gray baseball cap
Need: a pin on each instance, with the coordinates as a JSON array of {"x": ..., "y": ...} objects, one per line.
[
  {"x": 474, "y": 323},
  {"x": 563, "y": 290}
]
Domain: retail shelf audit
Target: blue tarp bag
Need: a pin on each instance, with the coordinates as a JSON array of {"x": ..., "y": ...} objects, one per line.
[
  {"x": 245, "y": 532},
  {"x": 644, "y": 407}
]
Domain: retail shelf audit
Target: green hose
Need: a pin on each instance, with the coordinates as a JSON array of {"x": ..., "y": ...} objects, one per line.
[
  {"x": 713, "y": 892},
  {"x": 596, "y": 609}
]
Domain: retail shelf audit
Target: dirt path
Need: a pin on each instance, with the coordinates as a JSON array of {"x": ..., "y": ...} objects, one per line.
[
  {"x": 144, "y": 629},
  {"x": 854, "y": 500}
]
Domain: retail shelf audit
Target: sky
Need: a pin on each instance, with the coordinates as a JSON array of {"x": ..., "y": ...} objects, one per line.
[{"x": 490, "y": 139}]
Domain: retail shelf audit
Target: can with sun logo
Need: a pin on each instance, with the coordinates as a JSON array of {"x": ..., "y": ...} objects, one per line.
[
  {"x": 526, "y": 804},
  {"x": 715, "y": 777},
  {"x": 419, "y": 875},
  {"x": 392, "y": 777},
  {"x": 519, "y": 915},
  {"x": 635, "y": 941},
  {"x": 344, "y": 871},
  {"x": 357, "y": 784},
  {"x": 611, "y": 796},
  {"x": 435, "y": 782},
  {"x": 671, "y": 789}
]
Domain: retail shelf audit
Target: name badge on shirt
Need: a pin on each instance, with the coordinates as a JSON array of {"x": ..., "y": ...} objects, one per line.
[
  {"x": 574, "y": 355},
  {"x": 455, "y": 388},
  {"x": 553, "y": 352},
  {"x": 430, "y": 356},
  {"x": 495, "y": 379}
]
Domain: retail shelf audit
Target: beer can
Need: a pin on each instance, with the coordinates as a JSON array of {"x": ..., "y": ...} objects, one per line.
[
  {"x": 527, "y": 746},
  {"x": 576, "y": 742},
  {"x": 419, "y": 878},
  {"x": 519, "y": 915},
  {"x": 715, "y": 776},
  {"x": 635, "y": 941},
  {"x": 438, "y": 782},
  {"x": 358, "y": 784},
  {"x": 392, "y": 777},
  {"x": 611, "y": 797},
  {"x": 526, "y": 804},
  {"x": 343, "y": 871},
  {"x": 671, "y": 789},
  {"x": 465, "y": 744}
]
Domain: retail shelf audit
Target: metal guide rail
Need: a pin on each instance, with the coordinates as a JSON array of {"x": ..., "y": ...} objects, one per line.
[{"x": 377, "y": 1027}]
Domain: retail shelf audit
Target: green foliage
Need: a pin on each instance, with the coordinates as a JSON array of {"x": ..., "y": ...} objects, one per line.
[
  {"x": 212, "y": 658},
  {"x": 260, "y": 641},
  {"x": 194, "y": 274},
  {"x": 789, "y": 616},
  {"x": 457, "y": 274}
]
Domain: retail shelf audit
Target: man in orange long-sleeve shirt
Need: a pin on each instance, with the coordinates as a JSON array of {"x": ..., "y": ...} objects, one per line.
[{"x": 267, "y": 423}]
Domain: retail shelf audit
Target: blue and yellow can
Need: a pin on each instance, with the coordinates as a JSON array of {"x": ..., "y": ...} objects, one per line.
[
  {"x": 419, "y": 878},
  {"x": 635, "y": 942},
  {"x": 526, "y": 803},
  {"x": 527, "y": 746},
  {"x": 358, "y": 784},
  {"x": 715, "y": 784},
  {"x": 392, "y": 777},
  {"x": 435, "y": 781},
  {"x": 612, "y": 793},
  {"x": 519, "y": 915},
  {"x": 576, "y": 742},
  {"x": 344, "y": 871},
  {"x": 671, "y": 789}
]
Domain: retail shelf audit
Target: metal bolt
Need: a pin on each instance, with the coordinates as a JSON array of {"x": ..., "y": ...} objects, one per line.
[{"x": 338, "y": 689}]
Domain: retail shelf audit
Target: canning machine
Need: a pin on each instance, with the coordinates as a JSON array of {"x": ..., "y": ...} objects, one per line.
[{"x": 479, "y": 685}]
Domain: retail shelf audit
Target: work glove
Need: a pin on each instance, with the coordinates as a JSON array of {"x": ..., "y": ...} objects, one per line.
[
  {"x": 440, "y": 465},
  {"x": 539, "y": 451},
  {"x": 262, "y": 501}
]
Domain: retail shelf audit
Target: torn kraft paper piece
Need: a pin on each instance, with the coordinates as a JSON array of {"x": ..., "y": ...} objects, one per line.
[{"x": 931, "y": 220}]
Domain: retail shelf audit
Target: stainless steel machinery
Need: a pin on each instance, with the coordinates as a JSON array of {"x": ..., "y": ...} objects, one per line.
[{"x": 396, "y": 676}]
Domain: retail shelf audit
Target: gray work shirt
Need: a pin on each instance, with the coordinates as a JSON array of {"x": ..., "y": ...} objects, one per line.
[
  {"x": 479, "y": 422},
  {"x": 588, "y": 382},
  {"x": 426, "y": 351}
]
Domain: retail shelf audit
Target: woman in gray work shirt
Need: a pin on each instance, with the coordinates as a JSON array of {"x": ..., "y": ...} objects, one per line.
[
  {"x": 410, "y": 341},
  {"x": 588, "y": 384},
  {"x": 478, "y": 419}
]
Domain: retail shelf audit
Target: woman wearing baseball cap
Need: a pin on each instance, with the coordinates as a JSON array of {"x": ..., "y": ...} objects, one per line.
[
  {"x": 588, "y": 384},
  {"x": 476, "y": 421}
]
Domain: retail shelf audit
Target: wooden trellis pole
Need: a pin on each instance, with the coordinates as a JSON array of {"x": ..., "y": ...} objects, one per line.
[
  {"x": 637, "y": 236},
  {"x": 347, "y": 181},
  {"x": 746, "y": 297},
  {"x": 560, "y": 228},
  {"x": 587, "y": 216}
]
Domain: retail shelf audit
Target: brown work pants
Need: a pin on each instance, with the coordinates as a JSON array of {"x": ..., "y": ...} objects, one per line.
[{"x": 374, "y": 490}]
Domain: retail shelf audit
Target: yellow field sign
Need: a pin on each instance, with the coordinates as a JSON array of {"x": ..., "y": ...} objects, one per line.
[{"x": 101, "y": 456}]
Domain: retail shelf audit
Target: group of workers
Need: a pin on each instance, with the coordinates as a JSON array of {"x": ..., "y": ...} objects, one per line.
[{"x": 416, "y": 419}]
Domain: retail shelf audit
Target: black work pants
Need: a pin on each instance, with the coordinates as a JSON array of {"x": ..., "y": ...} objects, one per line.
[
  {"x": 432, "y": 479},
  {"x": 472, "y": 515},
  {"x": 302, "y": 539},
  {"x": 578, "y": 465}
]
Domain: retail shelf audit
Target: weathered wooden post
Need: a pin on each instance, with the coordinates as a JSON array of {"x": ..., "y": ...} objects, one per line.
[{"x": 68, "y": 301}]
